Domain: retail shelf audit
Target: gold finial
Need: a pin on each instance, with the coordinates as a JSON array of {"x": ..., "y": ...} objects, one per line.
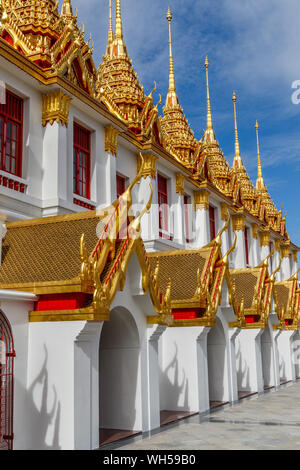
[
  {"x": 209, "y": 116},
  {"x": 237, "y": 162},
  {"x": 260, "y": 184},
  {"x": 119, "y": 28},
  {"x": 171, "y": 64},
  {"x": 172, "y": 98},
  {"x": 67, "y": 9},
  {"x": 110, "y": 29}
]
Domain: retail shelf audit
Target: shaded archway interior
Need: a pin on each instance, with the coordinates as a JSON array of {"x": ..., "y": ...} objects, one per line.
[
  {"x": 216, "y": 357},
  {"x": 119, "y": 378}
]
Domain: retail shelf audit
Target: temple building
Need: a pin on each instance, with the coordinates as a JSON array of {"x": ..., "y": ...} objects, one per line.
[{"x": 142, "y": 279}]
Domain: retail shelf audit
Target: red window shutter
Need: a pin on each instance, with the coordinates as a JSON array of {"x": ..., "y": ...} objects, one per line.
[
  {"x": 121, "y": 185},
  {"x": 11, "y": 134},
  {"x": 247, "y": 245},
  {"x": 81, "y": 161},
  {"x": 212, "y": 222},
  {"x": 162, "y": 184}
]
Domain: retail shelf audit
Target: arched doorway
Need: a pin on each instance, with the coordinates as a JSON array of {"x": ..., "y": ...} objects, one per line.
[
  {"x": 267, "y": 360},
  {"x": 217, "y": 364},
  {"x": 7, "y": 355},
  {"x": 119, "y": 378}
]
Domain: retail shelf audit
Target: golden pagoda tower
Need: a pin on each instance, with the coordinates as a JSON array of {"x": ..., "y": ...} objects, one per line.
[
  {"x": 178, "y": 135},
  {"x": 248, "y": 193},
  {"x": 116, "y": 76},
  {"x": 217, "y": 165}
]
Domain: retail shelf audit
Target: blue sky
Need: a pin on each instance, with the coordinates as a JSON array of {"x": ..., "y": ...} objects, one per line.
[{"x": 253, "y": 47}]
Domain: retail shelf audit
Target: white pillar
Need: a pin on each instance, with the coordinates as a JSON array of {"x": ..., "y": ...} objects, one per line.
[
  {"x": 55, "y": 163},
  {"x": 149, "y": 222},
  {"x": 86, "y": 388},
  {"x": 233, "y": 333},
  {"x": 202, "y": 231},
  {"x": 274, "y": 337},
  {"x": 238, "y": 225},
  {"x": 249, "y": 364},
  {"x": 203, "y": 385},
  {"x": 240, "y": 253},
  {"x": 201, "y": 235},
  {"x": 254, "y": 247},
  {"x": 154, "y": 333},
  {"x": 178, "y": 218}
]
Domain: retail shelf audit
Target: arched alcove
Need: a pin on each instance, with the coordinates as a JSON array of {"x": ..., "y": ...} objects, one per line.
[
  {"x": 7, "y": 355},
  {"x": 119, "y": 378},
  {"x": 216, "y": 361},
  {"x": 267, "y": 359}
]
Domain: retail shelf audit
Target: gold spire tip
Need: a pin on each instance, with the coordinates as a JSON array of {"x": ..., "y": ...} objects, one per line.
[
  {"x": 206, "y": 63},
  {"x": 256, "y": 125},
  {"x": 169, "y": 15},
  {"x": 234, "y": 98}
]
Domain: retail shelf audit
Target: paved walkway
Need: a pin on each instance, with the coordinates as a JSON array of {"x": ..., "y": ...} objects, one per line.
[{"x": 270, "y": 421}]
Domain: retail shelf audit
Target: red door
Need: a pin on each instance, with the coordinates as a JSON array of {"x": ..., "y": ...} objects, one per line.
[{"x": 7, "y": 355}]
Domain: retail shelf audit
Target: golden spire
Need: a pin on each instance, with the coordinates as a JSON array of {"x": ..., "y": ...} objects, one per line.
[
  {"x": 209, "y": 117},
  {"x": 119, "y": 27},
  {"x": 209, "y": 135},
  {"x": 237, "y": 161},
  {"x": 260, "y": 184},
  {"x": 110, "y": 29},
  {"x": 172, "y": 99},
  {"x": 67, "y": 8}
]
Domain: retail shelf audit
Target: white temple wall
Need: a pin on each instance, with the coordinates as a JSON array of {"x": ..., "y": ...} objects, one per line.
[
  {"x": 51, "y": 385},
  {"x": 184, "y": 377}
]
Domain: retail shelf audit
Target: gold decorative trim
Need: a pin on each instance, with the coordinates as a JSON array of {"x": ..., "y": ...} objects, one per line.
[
  {"x": 180, "y": 184},
  {"x": 285, "y": 250},
  {"x": 224, "y": 211},
  {"x": 277, "y": 245},
  {"x": 201, "y": 200},
  {"x": 295, "y": 256},
  {"x": 111, "y": 140},
  {"x": 255, "y": 231},
  {"x": 264, "y": 238},
  {"x": 149, "y": 165},
  {"x": 238, "y": 222},
  {"x": 55, "y": 108}
]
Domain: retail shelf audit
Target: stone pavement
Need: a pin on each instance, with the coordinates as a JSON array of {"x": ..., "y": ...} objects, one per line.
[{"x": 269, "y": 421}]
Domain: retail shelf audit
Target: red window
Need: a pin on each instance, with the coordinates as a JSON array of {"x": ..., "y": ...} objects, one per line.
[
  {"x": 212, "y": 223},
  {"x": 121, "y": 185},
  {"x": 247, "y": 245},
  {"x": 11, "y": 134},
  {"x": 187, "y": 202},
  {"x": 81, "y": 161},
  {"x": 163, "y": 204}
]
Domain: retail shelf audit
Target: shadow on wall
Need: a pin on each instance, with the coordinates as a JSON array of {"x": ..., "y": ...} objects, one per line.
[
  {"x": 243, "y": 379},
  {"x": 119, "y": 378},
  {"x": 173, "y": 391},
  {"x": 40, "y": 418}
]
